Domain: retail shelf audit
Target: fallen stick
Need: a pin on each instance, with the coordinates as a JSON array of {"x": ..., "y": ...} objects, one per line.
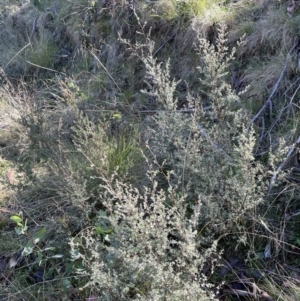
[
  {"x": 241, "y": 293},
  {"x": 269, "y": 100},
  {"x": 256, "y": 294}
]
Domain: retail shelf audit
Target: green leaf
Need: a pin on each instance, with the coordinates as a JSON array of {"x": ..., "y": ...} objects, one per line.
[
  {"x": 260, "y": 255},
  {"x": 39, "y": 235},
  {"x": 101, "y": 231},
  {"x": 37, "y": 4},
  {"x": 40, "y": 258},
  {"x": 69, "y": 268},
  {"x": 117, "y": 116},
  {"x": 28, "y": 248},
  {"x": 77, "y": 240},
  {"x": 101, "y": 213},
  {"x": 70, "y": 85},
  {"x": 21, "y": 230},
  {"x": 49, "y": 248},
  {"x": 16, "y": 219},
  {"x": 66, "y": 283},
  {"x": 57, "y": 256},
  {"x": 75, "y": 254}
]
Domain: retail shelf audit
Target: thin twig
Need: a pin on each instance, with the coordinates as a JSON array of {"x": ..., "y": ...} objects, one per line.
[
  {"x": 238, "y": 292},
  {"x": 49, "y": 69},
  {"x": 33, "y": 28},
  {"x": 16, "y": 55},
  {"x": 256, "y": 294},
  {"x": 168, "y": 111},
  {"x": 164, "y": 43},
  {"x": 269, "y": 100},
  {"x": 110, "y": 76},
  {"x": 278, "y": 117}
]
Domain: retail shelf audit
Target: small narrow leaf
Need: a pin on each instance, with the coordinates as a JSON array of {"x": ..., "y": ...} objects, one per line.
[
  {"x": 49, "y": 248},
  {"x": 12, "y": 262},
  {"x": 267, "y": 251},
  {"x": 39, "y": 235},
  {"x": 57, "y": 256},
  {"x": 265, "y": 225},
  {"x": 40, "y": 258}
]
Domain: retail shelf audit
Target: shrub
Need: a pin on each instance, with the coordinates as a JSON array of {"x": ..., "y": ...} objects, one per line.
[
  {"x": 202, "y": 181},
  {"x": 208, "y": 151},
  {"x": 141, "y": 248}
]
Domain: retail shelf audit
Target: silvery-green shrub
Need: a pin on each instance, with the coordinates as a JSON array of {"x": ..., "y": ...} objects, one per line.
[{"x": 153, "y": 239}]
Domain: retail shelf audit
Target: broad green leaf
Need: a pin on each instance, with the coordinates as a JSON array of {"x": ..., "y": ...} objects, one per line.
[
  {"x": 117, "y": 116},
  {"x": 102, "y": 231},
  {"x": 39, "y": 235},
  {"x": 69, "y": 267},
  {"x": 28, "y": 248},
  {"x": 19, "y": 231},
  {"x": 77, "y": 240},
  {"x": 16, "y": 219}
]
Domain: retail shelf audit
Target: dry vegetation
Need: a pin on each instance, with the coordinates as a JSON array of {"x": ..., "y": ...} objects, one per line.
[{"x": 149, "y": 150}]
